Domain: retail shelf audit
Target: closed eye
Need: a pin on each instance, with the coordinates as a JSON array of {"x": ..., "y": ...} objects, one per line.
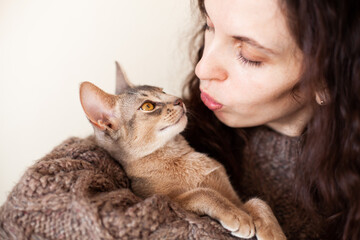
[{"x": 249, "y": 62}]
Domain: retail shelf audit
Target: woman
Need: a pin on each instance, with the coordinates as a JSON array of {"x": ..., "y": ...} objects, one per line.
[{"x": 276, "y": 99}]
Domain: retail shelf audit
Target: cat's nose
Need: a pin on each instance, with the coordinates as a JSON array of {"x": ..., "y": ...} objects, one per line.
[{"x": 178, "y": 102}]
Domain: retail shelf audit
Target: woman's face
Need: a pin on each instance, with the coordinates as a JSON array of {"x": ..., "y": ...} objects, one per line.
[{"x": 250, "y": 66}]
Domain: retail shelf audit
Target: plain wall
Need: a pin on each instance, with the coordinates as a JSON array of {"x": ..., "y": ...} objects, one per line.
[{"x": 48, "y": 47}]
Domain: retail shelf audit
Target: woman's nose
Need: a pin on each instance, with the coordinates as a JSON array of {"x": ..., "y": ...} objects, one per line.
[{"x": 210, "y": 67}]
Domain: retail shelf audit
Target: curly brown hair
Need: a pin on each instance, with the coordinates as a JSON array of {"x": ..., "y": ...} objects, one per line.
[{"x": 328, "y": 171}]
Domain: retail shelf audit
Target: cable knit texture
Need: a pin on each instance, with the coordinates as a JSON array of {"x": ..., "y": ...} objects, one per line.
[{"x": 79, "y": 192}]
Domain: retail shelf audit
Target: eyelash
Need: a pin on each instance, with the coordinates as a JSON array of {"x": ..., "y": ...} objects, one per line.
[
  {"x": 240, "y": 57},
  {"x": 246, "y": 61}
]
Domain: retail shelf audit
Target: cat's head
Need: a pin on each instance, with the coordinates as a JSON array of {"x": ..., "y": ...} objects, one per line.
[{"x": 136, "y": 121}]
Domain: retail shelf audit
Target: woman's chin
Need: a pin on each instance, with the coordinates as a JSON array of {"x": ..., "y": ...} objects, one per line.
[{"x": 231, "y": 120}]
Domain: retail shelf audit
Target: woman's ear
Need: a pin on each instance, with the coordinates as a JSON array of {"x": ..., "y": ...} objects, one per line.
[{"x": 98, "y": 106}]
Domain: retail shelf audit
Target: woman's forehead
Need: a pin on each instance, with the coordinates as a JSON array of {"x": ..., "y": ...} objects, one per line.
[{"x": 262, "y": 21}]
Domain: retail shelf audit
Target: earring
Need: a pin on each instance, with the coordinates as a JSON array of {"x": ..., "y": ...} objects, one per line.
[{"x": 320, "y": 99}]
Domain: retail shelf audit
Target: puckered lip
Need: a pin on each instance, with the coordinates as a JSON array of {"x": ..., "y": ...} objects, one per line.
[{"x": 209, "y": 102}]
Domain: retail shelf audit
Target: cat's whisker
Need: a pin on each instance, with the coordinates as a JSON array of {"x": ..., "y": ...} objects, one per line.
[{"x": 192, "y": 114}]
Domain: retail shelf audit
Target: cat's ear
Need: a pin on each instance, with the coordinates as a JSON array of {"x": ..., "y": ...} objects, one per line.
[
  {"x": 122, "y": 81},
  {"x": 98, "y": 106}
]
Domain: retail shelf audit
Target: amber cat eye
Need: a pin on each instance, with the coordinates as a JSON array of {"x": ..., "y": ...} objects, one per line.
[{"x": 147, "y": 106}]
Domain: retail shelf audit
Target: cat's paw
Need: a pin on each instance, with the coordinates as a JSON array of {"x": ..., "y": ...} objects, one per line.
[
  {"x": 266, "y": 224},
  {"x": 239, "y": 223},
  {"x": 269, "y": 231}
]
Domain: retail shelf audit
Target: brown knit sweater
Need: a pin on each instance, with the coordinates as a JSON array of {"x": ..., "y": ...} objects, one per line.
[
  {"x": 267, "y": 168},
  {"x": 79, "y": 192}
]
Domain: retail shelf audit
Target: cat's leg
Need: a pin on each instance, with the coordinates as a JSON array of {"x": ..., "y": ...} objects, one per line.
[
  {"x": 219, "y": 181},
  {"x": 267, "y": 227},
  {"x": 210, "y": 202}
]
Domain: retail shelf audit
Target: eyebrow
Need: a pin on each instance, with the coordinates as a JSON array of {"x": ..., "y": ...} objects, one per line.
[
  {"x": 254, "y": 43},
  {"x": 246, "y": 39}
]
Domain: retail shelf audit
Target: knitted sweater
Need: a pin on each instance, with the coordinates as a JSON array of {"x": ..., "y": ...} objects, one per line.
[
  {"x": 267, "y": 167},
  {"x": 79, "y": 192}
]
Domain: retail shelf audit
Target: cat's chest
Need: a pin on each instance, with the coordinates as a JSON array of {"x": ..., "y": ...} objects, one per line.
[{"x": 167, "y": 175}]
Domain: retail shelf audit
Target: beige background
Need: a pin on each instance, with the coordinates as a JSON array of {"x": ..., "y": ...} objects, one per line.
[{"x": 47, "y": 47}]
